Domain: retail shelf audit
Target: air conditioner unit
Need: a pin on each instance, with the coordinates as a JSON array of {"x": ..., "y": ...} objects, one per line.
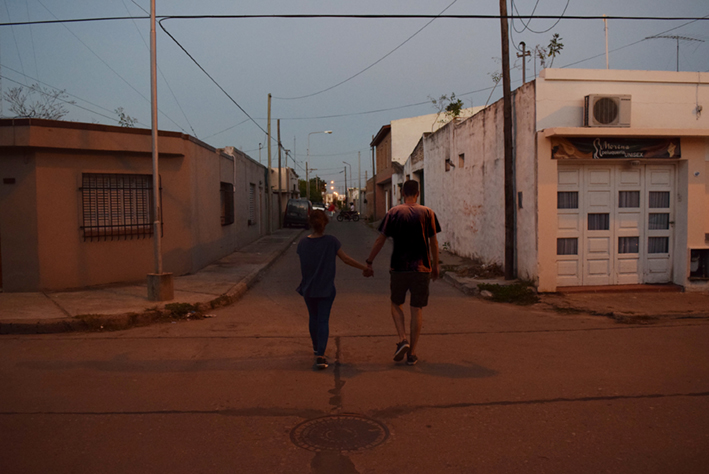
[{"x": 606, "y": 111}]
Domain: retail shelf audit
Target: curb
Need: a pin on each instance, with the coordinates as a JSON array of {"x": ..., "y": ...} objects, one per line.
[{"x": 117, "y": 322}]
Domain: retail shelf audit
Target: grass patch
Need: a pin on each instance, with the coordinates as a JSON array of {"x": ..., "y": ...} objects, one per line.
[{"x": 516, "y": 293}]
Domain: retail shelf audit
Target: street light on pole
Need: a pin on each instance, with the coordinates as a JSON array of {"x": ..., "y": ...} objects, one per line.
[{"x": 307, "y": 159}]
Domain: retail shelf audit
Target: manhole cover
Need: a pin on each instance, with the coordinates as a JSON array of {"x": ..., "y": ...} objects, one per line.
[{"x": 339, "y": 433}]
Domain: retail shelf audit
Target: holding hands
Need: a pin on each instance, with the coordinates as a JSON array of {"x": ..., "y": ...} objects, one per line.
[{"x": 368, "y": 272}]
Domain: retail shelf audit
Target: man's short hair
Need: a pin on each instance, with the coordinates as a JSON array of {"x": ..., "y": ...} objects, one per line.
[{"x": 411, "y": 188}]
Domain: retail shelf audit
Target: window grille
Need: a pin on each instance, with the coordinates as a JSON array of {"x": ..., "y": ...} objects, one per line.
[
  {"x": 658, "y": 245},
  {"x": 629, "y": 199},
  {"x": 567, "y": 200},
  {"x": 116, "y": 206},
  {"x": 659, "y": 199},
  {"x": 598, "y": 221},
  {"x": 567, "y": 246},
  {"x": 659, "y": 221},
  {"x": 226, "y": 191},
  {"x": 628, "y": 244}
]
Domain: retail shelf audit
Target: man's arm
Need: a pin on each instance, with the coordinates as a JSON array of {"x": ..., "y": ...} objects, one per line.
[
  {"x": 433, "y": 244},
  {"x": 376, "y": 248}
]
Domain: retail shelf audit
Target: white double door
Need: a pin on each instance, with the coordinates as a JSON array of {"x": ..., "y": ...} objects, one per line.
[{"x": 615, "y": 224}]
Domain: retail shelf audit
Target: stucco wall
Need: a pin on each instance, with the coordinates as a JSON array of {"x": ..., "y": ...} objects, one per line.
[
  {"x": 43, "y": 246},
  {"x": 469, "y": 200}
]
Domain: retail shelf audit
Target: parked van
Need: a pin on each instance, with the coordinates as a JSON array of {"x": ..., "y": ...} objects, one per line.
[{"x": 297, "y": 212}]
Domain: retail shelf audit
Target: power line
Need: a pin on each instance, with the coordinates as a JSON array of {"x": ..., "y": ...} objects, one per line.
[
  {"x": 371, "y": 65},
  {"x": 356, "y": 16}
]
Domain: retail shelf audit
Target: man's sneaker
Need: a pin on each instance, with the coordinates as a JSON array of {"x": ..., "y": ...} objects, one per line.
[
  {"x": 321, "y": 362},
  {"x": 402, "y": 349},
  {"x": 411, "y": 359}
]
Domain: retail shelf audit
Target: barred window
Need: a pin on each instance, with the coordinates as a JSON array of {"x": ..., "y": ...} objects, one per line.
[
  {"x": 567, "y": 200},
  {"x": 628, "y": 244},
  {"x": 567, "y": 246},
  {"x": 117, "y": 206},
  {"x": 598, "y": 221},
  {"x": 226, "y": 191},
  {"x": 629, "y": 199}
]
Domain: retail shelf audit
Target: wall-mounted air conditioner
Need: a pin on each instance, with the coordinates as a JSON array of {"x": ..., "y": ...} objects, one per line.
[{"x": 606, "y": 111}]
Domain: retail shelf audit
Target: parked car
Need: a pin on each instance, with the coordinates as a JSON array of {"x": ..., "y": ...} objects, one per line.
[
  {"x": 318, "y": 206},
  {"x": 297, "y": 212}
]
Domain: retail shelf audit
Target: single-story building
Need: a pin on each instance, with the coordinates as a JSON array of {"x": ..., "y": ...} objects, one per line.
[
  {"x": 611, "y": 176},
  {"x": 76, "y": 204}
]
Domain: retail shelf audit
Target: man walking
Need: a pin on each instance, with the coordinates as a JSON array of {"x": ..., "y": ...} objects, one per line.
[{"x": 414, "y": 262}]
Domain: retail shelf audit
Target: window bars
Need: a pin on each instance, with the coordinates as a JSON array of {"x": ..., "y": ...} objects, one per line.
[{"x": 117, "y": 206}]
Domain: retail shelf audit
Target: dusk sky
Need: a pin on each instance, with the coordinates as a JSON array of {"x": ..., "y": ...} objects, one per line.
[{"x": 386, "y": 69}]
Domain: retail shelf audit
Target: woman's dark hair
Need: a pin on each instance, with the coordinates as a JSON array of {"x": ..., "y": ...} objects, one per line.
[{"x": 318, "y": 219}]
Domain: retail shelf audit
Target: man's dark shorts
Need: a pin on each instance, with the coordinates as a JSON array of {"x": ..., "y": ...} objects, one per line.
[{"x": 415, "y": 282}]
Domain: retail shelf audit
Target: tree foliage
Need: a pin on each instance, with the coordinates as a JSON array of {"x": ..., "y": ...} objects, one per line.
[
  {"x": 36, "y": 101},
  {"x": 317, "y": 188},
  {"x": 125, "y": 120},
  {"x": 552, "y": 50},
  {"x": 450, "y": 106}
]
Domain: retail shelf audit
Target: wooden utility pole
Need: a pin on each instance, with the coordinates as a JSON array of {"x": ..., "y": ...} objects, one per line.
[
  {"x": 280, "y": 192},
  {"x": 269, "y": 197},
  {"x": 509, "y": 158},
  {"x": 524, "y": 55}
]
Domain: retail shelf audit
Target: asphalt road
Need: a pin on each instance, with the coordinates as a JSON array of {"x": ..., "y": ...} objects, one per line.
[{"x": 499, "y": 389}]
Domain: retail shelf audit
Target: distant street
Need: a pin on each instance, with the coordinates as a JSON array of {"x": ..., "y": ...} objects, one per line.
[{"x": 498, "y": 389}]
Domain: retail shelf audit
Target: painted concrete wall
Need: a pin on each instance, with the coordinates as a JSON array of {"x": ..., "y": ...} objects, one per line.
[
  {"x": 48, "y": 250},
  {"x": 663, "y": 103},
  {"x": 468, "y": 200}
]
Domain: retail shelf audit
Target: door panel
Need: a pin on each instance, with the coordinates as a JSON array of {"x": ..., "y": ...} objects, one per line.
[{"x": 659, "y": 223}]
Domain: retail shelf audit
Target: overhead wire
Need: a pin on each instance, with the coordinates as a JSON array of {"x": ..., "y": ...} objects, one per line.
[
  {"x": 371, "y": 65},
  {"x": 161, "y": 73},
  {"x": 111, "y": 68}
]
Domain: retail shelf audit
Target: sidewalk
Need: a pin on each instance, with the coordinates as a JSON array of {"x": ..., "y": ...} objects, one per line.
[
  {"x": 624, "y": 303},
  {"x": 123, "y": 306},
  {"x": 225, "y": 281}
]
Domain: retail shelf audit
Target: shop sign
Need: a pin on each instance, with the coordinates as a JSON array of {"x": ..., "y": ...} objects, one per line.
[{"x": 587, "y": 148}]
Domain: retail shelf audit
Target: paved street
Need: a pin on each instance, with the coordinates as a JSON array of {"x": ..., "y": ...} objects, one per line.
[{"x": 499, "y": 389}]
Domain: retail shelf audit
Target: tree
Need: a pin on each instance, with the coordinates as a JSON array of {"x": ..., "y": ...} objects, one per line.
[
  {"x": 449, "y": 106},
  {"x": 552, "y": 50},
  {"x": 125, "y": 120},
  {"x": 36, "y": 101},
  {"x": 317, "y": 188}
]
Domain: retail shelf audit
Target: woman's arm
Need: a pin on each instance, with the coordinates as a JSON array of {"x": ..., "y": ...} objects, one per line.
[{"x": 350, "y": 261}]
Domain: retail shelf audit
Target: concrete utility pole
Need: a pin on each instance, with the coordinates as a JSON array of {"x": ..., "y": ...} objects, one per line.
[
  {"x": 524, "y": 54},
  {"x": 374, "y": 185},
  {"x": 280, "y": 191},
  {"x": 347, "y": 198},
  {"x": 268, "y": 173},
  {"x": 359, "y": 181},
  {"x": 160, "y": 285},
  {"x": 509, "y": 159}
]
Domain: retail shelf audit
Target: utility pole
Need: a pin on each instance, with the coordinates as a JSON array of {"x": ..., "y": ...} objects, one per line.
[
  {"x": 359, "y": 181},
  {"x": 160, "y": 285},
  {"x": 509, "y": 159},
  {"x": 280, "y": 193},
  {"x": 524, "y": 56},
  {"x": 268, "y": 172},
  {"x": 347, "y": 198},
  {"x": 374, "y": 185},
  {"x": 605, "y": 29}
]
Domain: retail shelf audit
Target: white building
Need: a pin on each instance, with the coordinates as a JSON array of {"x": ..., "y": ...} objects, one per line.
[{"x": 611, "y": 175}]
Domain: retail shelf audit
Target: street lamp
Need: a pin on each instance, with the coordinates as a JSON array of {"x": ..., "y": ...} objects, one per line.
[{"x": 307, "y": 177}]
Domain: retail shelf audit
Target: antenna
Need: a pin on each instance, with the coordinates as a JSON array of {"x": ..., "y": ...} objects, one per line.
[{"x": 676, "y": 38}]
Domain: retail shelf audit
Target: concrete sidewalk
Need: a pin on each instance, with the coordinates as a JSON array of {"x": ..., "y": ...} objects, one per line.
[
  {"x": 225, "y": 281},
  {"x": 123, "y": 306}
]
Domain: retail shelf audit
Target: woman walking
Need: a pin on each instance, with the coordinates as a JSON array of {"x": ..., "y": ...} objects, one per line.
[{"x": 317, "y": 254}]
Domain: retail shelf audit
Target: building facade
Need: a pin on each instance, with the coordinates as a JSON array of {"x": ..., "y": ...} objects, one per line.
[
  {"x": 611, "y": 179},
  {"x": 76, "y": 204}
]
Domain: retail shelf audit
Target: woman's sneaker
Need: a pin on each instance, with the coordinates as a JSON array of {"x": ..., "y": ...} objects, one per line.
[
  {"x": 411, "y": 359},
  {"x": 402, "y": 349},
  {"x": 321, "y": 362}
]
